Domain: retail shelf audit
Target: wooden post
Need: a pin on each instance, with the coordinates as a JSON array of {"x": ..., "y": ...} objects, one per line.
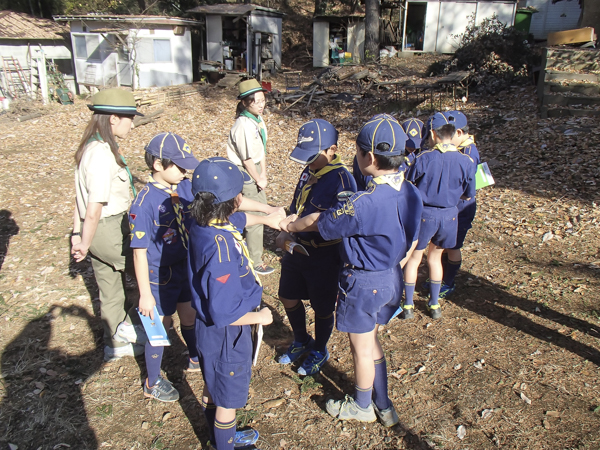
[{"x": 42, "y": 76}]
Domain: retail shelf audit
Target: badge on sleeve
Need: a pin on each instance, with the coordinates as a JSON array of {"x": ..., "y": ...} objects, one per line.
[{"x": 139, "y": 234}]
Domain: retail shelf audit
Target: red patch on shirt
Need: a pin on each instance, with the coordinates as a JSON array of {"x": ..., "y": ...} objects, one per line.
[
  {"x": 224, "y": 278},
  {"x": 133, "y": 216}
]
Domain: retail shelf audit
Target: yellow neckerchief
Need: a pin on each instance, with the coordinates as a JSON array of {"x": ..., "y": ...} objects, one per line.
[
  {"x": 177, "y": 207},
  {"x": 336, "y": 163},
  {"x": 395, "y": 180},
  {"x": 468, "y": 141},
  {"x": 238, "y": 237},
  {"x": 443, "y": 148}
]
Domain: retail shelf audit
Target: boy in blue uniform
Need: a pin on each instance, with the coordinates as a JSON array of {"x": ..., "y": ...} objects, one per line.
[
  {"x": 313, "y": 277},
  {"x": 226, "y": 293},
  {"x": 413, "y": 128},
  {"x": 378, "y": 228},
  {"x": 443, "y": 175},
  {"x": 159, "y": 220},
  {"x": 466, "y": 208}
]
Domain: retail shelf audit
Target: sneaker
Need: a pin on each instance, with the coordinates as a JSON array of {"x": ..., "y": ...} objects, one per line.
[
  {"x": 347, "y": 409},
  {"x": 245, "y": 439},
  {"x": 163, "y": 391},
  {"x": 435, "y": 311},
  {"x": 130, "y": 334},
  {"x": 263, "y": 269},
  {"x": 313, "y": 363},
  {"x": 295, "y": 351},
  {"x": 446, "y": 290},
  {"x": 193, "y": 366},
  {"x": 112, "y": 353},
  {"x": 388, "y": 416},
  {"x": 409, "y": 312}
]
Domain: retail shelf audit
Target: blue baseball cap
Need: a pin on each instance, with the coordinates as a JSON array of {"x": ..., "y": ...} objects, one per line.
[
  {"x": 380, "y": 130},
  {"x": 384, "y": 116},
  {"x": 457, "y": 118},
  {"x": 173, "y": 147},
  {"x": 220, "y": 177},
  {"x": 313, "y": 137},
  {"x": 438, "y": 120},
  {"x": 414, "y": 131}
]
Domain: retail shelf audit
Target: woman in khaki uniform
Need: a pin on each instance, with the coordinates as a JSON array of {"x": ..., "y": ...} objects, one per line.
[
  {"x": 247, "y": 149},
  {"x": 100, "y": 224}
]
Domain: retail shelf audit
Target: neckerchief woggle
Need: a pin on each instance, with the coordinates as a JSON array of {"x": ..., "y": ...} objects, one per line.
[
  {"x": 336, "y": 163},
  {"x": 97, "y": 137},
  {"x": 260, "y": 124},
  {"x": 238, "y": 237},
  {"x": 177, "y": 207},
  {"x": 395, "y": 180}
]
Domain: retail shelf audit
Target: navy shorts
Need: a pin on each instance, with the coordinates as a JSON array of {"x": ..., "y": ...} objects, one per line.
[
  {"x": 169, "y": 286},
  {"x": 438, "y": 225},
  {"x": 367, "y": 298},
  {"x": 465, "y": 221},
  {"x": 313, "y": 278},
  {"x": 226, "y": 362}
]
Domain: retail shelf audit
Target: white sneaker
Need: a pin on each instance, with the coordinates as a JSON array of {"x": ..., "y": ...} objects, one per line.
[
  {"x": 130, "y": 334},
  {"x": 112, "y": 353}
]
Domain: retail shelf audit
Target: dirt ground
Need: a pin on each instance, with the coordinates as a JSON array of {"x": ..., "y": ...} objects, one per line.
[{"x": 514, "y": 360}]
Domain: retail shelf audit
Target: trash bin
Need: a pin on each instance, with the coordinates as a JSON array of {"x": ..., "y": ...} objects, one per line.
[{"x": 523, "y": 20}]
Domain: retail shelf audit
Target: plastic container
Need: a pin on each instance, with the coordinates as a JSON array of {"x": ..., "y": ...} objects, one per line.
[
  {"x": 229, "y": 64},
  {"x": 523, "y": 20}
]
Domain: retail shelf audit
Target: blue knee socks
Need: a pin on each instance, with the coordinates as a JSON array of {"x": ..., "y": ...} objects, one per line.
[
  {"x": 224, "y": 435},
  {"x": 153, "y": 357},
  {"x": 323, "y": 330},
  {"x": 363, "y": 396},
  {"x": 450, "y": 270},
  {"x": 434, "y": 290},
  {"x": 297, "y": 318},
  {"x": 380, "y": 385},
  {"x": 210, "y": 410},
  {"x": 409, "y": 292},
  {"x": 189, "y": 336}
]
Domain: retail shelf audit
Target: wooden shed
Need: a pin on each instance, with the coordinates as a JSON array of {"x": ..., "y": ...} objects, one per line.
[{"x": 338, "y": 38}]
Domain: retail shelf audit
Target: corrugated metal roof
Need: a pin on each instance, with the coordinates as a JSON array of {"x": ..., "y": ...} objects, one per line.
[
  {"x": 15, "y": 25},
  {"x": 232, "y": 9},
  {"x": 150, "y": 20}
]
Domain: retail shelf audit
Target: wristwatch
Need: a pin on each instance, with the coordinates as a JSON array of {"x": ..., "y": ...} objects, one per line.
[{"x": 75, "y": 233}]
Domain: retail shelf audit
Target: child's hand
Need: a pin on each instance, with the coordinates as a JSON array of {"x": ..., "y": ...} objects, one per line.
[
  {"x": 146, "y": 305},
  {"x": 285, "y": 222},
  {"x": 279, "y": 210},
  {"x": 265, "y": 316},
  {"x": 272, "y": 221}
]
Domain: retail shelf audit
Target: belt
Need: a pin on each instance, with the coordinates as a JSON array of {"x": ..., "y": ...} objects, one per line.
[{"x": 314, "y": 244}]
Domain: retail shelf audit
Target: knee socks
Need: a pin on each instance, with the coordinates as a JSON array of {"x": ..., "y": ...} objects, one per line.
[
  {"x": 297, "y": 318},
  {"x": 409, "y": 292},
  {"x": 363, "y": 396},
  {"x": 434, "y": 290},
  {"x": 450, "y": 270},
  {"x": 323, "y": 330},
  {"x": 224, "y": 435},
  {"x": 153, "y": 357},
  {"x": 189, "y": 336},
  {"x": 380, "y": 385},
  {"x": 210, "y": 409}
]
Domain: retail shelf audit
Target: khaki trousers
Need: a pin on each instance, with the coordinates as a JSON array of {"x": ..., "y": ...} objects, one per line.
[
  {"x": 111, "y": 259},
  {"x": 254, "y": 234}
]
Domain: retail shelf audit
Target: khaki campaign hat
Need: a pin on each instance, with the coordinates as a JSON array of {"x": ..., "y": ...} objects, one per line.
[
  {"x": 250, "y": 87},
  {"x": 114, "y": 101}
]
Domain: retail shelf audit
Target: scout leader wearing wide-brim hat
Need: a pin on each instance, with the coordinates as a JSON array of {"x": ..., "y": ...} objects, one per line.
[
  {"x": 249, "y": 87},
  {"x": 114, "y": 101}
]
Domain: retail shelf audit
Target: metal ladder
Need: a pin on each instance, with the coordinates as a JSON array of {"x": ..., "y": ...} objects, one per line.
[{"x": 15, "y": 78}]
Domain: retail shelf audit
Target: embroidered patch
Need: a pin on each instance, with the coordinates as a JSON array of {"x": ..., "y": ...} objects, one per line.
[
  {"x": 347, "y": 209},
  {"x": 238, "y": 247},
  {"x": 139, "y": 234},
  {"x": 186, "y": 148},
  {"x": 413, "y": 132},
  {"x": 223, "y": 279},
  {"x": 162, "y": 208},
  {"x": 131, "y": 226},
  {"x": 133, "y": 216},
  {"x": 170, "y": 236},
  {"x": 304, "y": 177}
]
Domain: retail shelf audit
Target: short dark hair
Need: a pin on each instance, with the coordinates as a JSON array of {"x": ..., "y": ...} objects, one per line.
[
  {"x": 465, "y": 129},
  {"x": 204, "y": 209},
  {"x": 385, "y": 162},
  {"x": 446, "y": 131},
  {"x": 150, "y": 159}
]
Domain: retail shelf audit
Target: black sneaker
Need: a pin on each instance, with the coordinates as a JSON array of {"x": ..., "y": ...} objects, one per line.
[{"x": 263, "y": 269}]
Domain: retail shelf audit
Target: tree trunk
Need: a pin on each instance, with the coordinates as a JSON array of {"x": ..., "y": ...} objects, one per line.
[
  {"x": 320, "y": 7},
  {"x": 371, "y": 30}
]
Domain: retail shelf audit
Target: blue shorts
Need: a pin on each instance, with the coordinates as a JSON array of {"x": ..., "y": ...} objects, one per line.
[
  {"x": 169, "y": 286},
  {"x": 465, "y": 221},
  {"x": 367, "y": 298},
  {"x": 438, "y": 225},
  {"x": 313, "y": 277},
  {"x": 226, "y": 362}
]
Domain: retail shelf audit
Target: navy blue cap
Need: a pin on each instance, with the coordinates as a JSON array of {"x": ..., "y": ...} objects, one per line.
[
  {"x": 384, "y": 116},
  {"x": 313, "y": 137},
  {"x": 380, "y": 130},
  {"x": 220, "y": 177},
  {"x": 438, "y": 120},
  {"x": 413, "y": 128},
  {"x": 457, "y": 118},
  {"x": 173, "y": 147}
]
